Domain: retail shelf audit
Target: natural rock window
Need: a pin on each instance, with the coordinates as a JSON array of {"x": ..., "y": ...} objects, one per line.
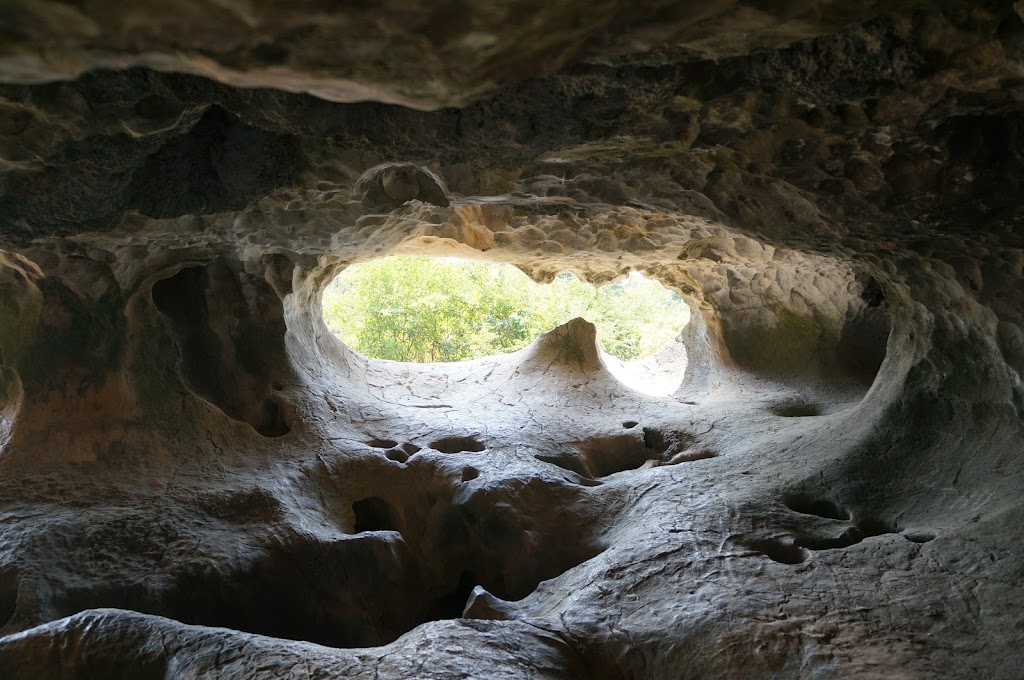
[
  {"x": 198, "y": 478},
  {"x": 424, "y": 309}
]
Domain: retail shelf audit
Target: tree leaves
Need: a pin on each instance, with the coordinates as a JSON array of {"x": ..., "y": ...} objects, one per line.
[{"x": 420, "y": 309}]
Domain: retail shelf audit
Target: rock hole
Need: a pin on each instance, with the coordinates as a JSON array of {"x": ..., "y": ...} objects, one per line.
[
  {"x": 8, "y": 593},
  {"x": 374, "y": 514},
  {"x": 410, "y": 448},
  {"x": 365, "y": 589},
  {"x": 851, "y": 536},
  {"x": 780, "y": 550},
  {"x": 797, "y": 410},
  {"x": 469, "y": 473},
  {"x": 865, "y": 333},
  {"x": 872, "y": 292},
  {"x": 382, "y": 443},
  {"x": 397, "y": 455},
  {"x": 629, "y": 424},
  {"x": 271, "y": 422},
  {"x": 918, "y": 535},
  {"x": 819, "y": 507},
  {"x": 327, "y": 592},
  {"x": 217, "y": 363},
  {"x": 654, "y": 440},
  {"x": 453, "y": 604},
  {"x": 603, "y": 456},
  {"x": 457, "y": 445},
  {"x": 874, "y": 526}
]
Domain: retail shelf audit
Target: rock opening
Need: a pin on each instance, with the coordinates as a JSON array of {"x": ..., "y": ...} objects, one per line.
[{"x": 820, "y": 476}]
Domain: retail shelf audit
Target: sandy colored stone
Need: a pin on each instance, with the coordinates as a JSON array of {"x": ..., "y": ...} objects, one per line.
[{"x": 198, "y": 480}]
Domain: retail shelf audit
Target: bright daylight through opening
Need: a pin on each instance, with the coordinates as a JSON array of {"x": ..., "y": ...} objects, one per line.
[{"x": 424, "y": 309}]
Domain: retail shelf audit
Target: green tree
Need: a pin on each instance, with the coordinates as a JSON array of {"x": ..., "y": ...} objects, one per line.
[{"x": 411, "y": 308}]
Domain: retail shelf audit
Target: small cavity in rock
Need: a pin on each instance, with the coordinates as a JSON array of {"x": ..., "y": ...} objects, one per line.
[
  {"x": 457, "y": 445},
  {"x": 797, "y": 410},
  {"x": 918, "y": 535},
  {"x": 819, "y": 507},
  {"x": 781, "y": 551},
  {"x": 374, "y": 514}
]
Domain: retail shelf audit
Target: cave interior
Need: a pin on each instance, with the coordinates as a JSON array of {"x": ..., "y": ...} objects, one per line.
[{"x": 199, "y": 480}]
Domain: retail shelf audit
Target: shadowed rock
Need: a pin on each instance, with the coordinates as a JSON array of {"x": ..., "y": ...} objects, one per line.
[
  {"x": 389, "y": 186},
  {"x": 197, "y": 479}
]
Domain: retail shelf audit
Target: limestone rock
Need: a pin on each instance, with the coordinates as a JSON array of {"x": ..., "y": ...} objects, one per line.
[
  {"x": 391, "y": 185},
  {"x": 197, "y": 479}
]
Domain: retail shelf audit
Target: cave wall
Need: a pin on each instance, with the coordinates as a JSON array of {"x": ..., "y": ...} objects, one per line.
[{"x": 199, "y": 480}]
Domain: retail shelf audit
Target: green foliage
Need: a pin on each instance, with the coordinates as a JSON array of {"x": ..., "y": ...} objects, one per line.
[{"x": 411, "y": 308}]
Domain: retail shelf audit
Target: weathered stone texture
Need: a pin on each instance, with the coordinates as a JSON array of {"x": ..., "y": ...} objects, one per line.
[{"x": 198, "y": 480}]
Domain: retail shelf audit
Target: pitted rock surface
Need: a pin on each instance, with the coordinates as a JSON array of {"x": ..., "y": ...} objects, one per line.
[{"x": 197, "y": 479}]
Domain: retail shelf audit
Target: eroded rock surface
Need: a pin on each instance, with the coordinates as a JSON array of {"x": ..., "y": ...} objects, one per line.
[{"x": 197, "y": 479}]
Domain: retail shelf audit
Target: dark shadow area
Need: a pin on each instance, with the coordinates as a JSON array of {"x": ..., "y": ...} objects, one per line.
[
  {"x": 797, "y": 410},
  {"x": 351, "y": 593},
  {"x": 374, "y": 514},
  {"x": 452, "y": 605},
  {"x": 795, "y": 549},
  {"x": 8, "y": 593},
  {"x": 849, "y": 536},
  {"x": 567, "y": 461},
  {"x": 603, "y": 456},
  {"x": 654, "y": 440},
  {"x": 458, "y": 445},
  {"x": 361, "y": 590},
  {"x": 862, "y": 342},
  {"x": 78, "y": 342},
  {"x": 876, "y": 526},
  {"x": 819, "y": 507},
  {"x": 506, "y": 550},
  {"x": 780, "y": 551},
  {"x": 227, "y": 354},
  {"x": 220, "y": 164}
]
